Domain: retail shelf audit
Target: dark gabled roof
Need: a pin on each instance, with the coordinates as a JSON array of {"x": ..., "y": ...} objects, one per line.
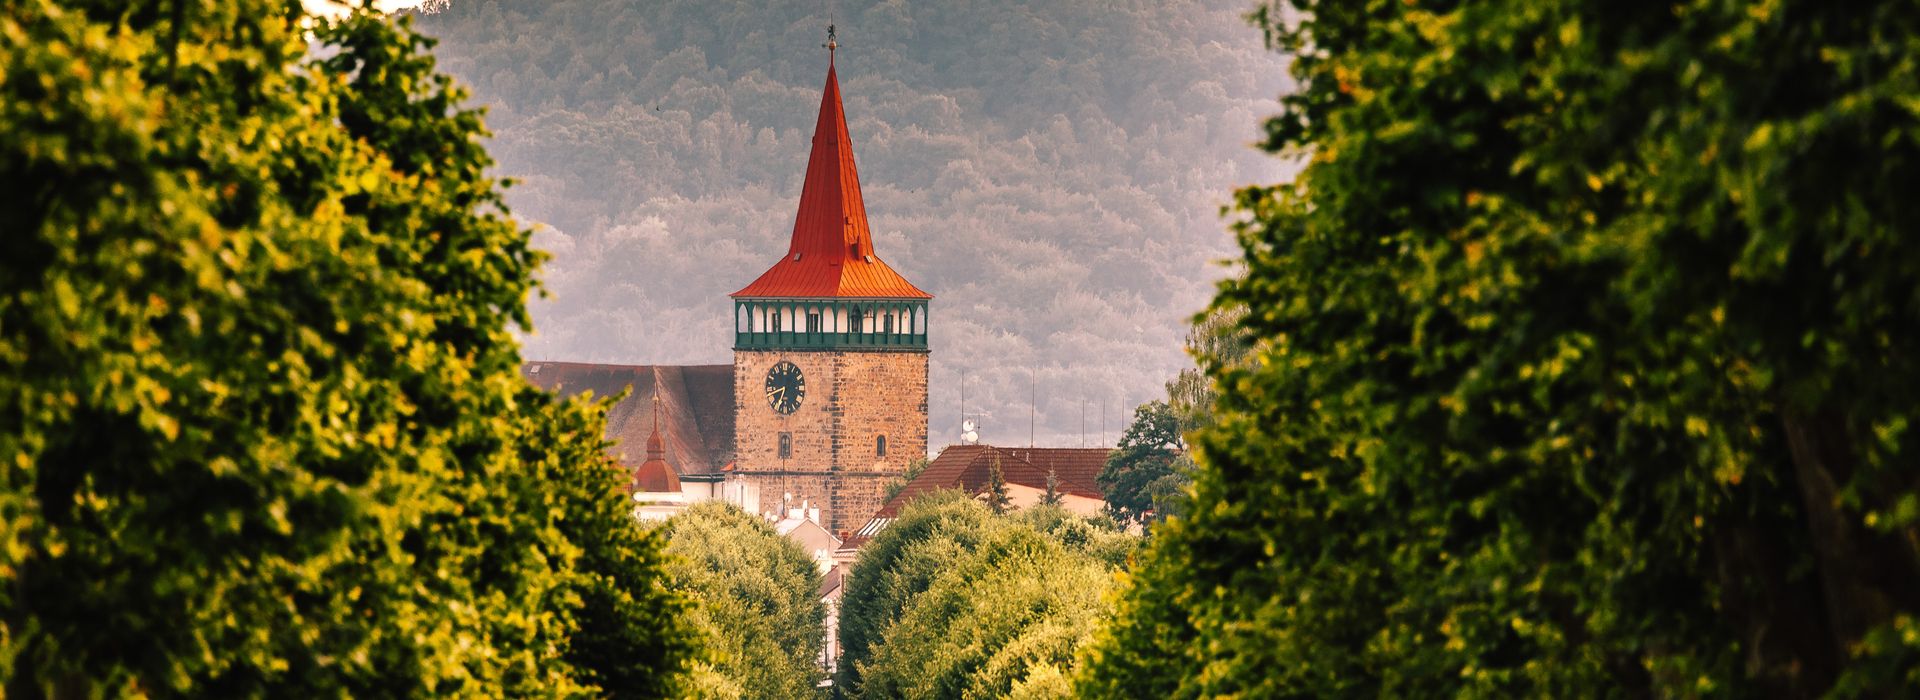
[
  {"x": 696, "y": 408},
  {"x": 832, "y": 581}
]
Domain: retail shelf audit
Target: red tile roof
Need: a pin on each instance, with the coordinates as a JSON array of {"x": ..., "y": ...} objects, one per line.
[
  {"x": 968, "y": 466},
  {"x": 832, "y": 250},
  {"x": 696, "y": 417}
]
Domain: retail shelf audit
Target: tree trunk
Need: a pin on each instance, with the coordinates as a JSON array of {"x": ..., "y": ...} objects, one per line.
[
  {"x": 1780, "y": 618},
  {"x": 1866, "y": 576}
]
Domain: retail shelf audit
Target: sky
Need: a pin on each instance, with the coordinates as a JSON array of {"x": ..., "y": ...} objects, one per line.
[{"x": 1052, "y": 172}]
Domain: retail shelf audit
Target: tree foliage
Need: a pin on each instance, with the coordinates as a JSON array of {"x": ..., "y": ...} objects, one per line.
[
  {"x": 1585, "y": 358},
  {"x": 1143, "y": 479},
  {"x": 262, "y": 425},
  {"x": 757, "y": 601},
  {"x": 1053, "y": 496},
  {"x": 1217, "y": 337},
  {"x": 953, "y": 601},
  {"x": 997, "y": 497}
]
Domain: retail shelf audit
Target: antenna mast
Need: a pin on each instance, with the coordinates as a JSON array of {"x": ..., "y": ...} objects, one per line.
[{"x": 1033, "y": 405}]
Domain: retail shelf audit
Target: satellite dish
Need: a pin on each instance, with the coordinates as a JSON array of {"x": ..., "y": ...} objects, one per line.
[{"x": 969, "y": 433}]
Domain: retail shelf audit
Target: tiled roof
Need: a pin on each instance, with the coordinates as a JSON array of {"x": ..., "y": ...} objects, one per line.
[
  {"x": 831, "y": 254},
  {"x": 966, "y": 467},
  {"x": 1076, "y": 468},
  {"x": 696, "y": 415}
]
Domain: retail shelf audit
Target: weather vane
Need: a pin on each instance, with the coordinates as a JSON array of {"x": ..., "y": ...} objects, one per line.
[{"x": 831, "y": 42}]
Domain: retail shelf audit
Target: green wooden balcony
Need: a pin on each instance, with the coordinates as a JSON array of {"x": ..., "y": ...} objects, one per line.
[
  {"x": 830, "y": 324},
  {"x": 829, "y": 341}
]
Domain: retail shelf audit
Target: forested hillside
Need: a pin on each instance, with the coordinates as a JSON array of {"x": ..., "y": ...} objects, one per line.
[{"x": 1052, "y": 173}]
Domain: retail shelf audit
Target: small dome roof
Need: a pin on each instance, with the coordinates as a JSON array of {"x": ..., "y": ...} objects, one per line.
[{"x": 655, "y": 475}]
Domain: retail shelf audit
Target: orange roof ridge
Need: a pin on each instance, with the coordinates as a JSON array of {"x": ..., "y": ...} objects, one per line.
[{"x": 831, "y": 253}]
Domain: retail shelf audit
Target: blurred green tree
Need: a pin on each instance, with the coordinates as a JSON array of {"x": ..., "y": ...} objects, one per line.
[
  {"x": 1216, "y": 337},
  {"x": 932, "y": 531},
  {"x": 1141, "y": 479},
  {"x": 262, "y": 424},
  {"x": 757, "y": 598},
  {"x": 954, "y": 601},
  {"x": 1587, "y": 346}
]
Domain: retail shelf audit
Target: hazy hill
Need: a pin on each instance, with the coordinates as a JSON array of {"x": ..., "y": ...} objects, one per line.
[{"x": 1053, "y": 174}]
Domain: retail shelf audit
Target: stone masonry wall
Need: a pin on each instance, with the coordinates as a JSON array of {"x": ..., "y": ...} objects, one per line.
[
  {"x": 880, "y": 393},
  {"x": 757, "y": 427},
  {"x": 851, "y": 399}
]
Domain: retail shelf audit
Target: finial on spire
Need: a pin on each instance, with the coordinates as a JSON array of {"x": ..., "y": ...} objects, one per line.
[
  {"x": 656, "y": 449},
  {"x": 831, "y": 44}
]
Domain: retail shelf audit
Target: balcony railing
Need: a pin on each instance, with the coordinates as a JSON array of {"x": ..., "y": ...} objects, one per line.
[
  {"x": 830, "y": 324},
  {"x": 802, "y": 340}
]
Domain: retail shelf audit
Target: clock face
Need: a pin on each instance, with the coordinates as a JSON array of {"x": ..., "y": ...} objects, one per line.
[{"x": 785, "y": 388}]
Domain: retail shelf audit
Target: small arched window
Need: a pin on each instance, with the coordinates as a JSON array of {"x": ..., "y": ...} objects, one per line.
[{"x": 880, "y": 446}]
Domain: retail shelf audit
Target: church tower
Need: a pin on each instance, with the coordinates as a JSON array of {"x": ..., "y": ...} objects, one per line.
[{"x": 830, "y": 351}]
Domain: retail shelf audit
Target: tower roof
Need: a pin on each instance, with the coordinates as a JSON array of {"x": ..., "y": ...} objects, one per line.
[
  {"x": 831, "y": 254},
  {"x": 655, "y": 475}
]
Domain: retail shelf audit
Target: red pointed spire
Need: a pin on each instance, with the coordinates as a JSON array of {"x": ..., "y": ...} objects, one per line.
[
  {"x": 831, "y": 254},
  {"x": 833, "y": 216}
]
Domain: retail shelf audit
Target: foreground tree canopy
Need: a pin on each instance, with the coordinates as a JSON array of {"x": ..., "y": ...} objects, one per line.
[
  {"x": 757, "y": 601},
  {"x": 1586, "y": 356},
  {"x": 261, "y": 427},
  {"x": 954, "y": 601}
]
